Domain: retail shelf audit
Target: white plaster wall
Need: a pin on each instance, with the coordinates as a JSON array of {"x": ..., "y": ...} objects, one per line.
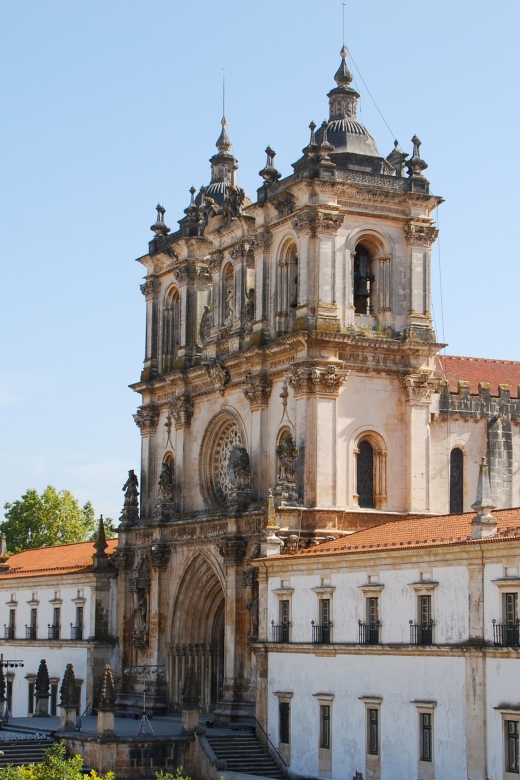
[
  {"x": 398, "y": 681},
  {"x": 471, "y": 436},
  {"x": 44, "y": 595},
  {"x": 502, "y": 688},
  {"x": 398, "y": 602}
]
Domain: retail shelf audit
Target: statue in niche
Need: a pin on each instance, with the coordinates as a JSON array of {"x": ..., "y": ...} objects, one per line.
[
  {"x": 139, "y": 585},
  {"x": 249, "y": 310},
  {"x": 206, "y": 324},
  {"x": 131, "y": 505},
  {"x": 287, "y": 452},
  {"x": 166, "y": 483},
  {"x": 229, "y": 305},
  {"x": 252, "y": 599},
  {"x": 142, "y": 611}
]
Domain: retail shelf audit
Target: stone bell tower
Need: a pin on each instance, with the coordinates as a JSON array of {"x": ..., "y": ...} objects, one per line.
[{"x": 289, "y": 353}]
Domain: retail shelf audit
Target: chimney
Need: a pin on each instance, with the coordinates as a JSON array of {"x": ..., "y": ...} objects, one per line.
[{"x": 484, "y": 524}]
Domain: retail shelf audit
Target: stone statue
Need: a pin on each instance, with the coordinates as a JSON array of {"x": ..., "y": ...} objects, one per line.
[
  {"x": 131, "y": 505},
  {"x": 166, "y": 483},
  {"x": 233, "y": 202},
  {"x": 287, "y": 452},
  {"x": 206, "y": 324},
  {"x": 242, "y": 469},
  {"x": 142, "y": 610},
  {"x": 249, "y": 310},
  {"x": 229, "y": 305}
]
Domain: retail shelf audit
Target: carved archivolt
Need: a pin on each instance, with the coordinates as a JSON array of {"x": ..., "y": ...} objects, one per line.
[{"x": 221, "y": 454}]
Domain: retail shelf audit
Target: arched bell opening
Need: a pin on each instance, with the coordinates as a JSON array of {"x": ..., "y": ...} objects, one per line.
[
  {"x": 286, "y": 286},
  {"x": 363, "y": 280},
  {"x": 197, "y": 634}
]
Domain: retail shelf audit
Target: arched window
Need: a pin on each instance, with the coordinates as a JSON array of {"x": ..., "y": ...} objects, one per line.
[
  {"x": 171, "y": 329},
  {"x": 363, "y": 281},
  {"x": 228, "y": 295},
  {"x": 365, "y": 475},
  {"x": 456, "y": 481},
  {"x": 286, "y": 286}
]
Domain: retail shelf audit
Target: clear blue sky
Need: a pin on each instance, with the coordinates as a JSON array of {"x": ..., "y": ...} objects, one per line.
[{"x": 111, "y": 106}]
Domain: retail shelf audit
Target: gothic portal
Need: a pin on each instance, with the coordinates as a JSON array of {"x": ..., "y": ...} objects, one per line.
[{"x": 289, "y": 348}]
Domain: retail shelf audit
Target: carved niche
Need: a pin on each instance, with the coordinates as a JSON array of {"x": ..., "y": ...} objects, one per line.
[{"x": 139, "y": 585}]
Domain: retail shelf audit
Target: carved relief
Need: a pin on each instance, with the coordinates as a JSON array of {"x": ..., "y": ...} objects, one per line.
[
  {"x": 182, "y": 410},
  {"x": 311, "y": 379},
  {"x": 160, "y": 555},
  {"x": 313, "y": 222},
  {"x": 422, "y": 235},
  {"x": 285, "y": 204},
  {"x": 146, "y": 418},
  {"x": 232, "y": 548},
  {"x": 139, "y": 585},
  {"x": 258, "y": 390},
  {"x": 418, "y": 388},
  {"x": 218, "y": 375},
  {"x": 215, "y": 260},
  {"x": 122, "y": 558}
]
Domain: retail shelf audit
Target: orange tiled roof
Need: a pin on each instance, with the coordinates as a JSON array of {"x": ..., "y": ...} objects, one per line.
[
  {"x": 475, "y": 370},
  {"x": 61, "y": 559},
  {"x": 417, "y": 532}
]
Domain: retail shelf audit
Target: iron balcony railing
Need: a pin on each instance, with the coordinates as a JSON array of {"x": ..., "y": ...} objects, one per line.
[
  {"x": 9, "y": 632},
  {"x": 280, "y": 633},
  {"x": 76, "y": 632},
  {"x": 506, "y": 634},
  {"x": 321, "y": 635},
  {"x": 421, "y": 633},
  {"x": 31, "y": 632},
  {"x": 369, "y": 633},
  {"x": 54, "y": 632}
]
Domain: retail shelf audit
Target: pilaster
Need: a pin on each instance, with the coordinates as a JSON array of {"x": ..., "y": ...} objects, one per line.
[
  {"x": 182, "y": 410},
  {"x": 150, "y": 290},
  {"x": 258, "y": 391},
  {"x": 418, "y": 390},
  {"x": 146, "y": 419}
]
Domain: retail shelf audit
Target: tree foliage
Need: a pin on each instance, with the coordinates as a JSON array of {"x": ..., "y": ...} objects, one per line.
[
  {"x": 55, "y": 766},
  {"x": 50, "y": 518}
]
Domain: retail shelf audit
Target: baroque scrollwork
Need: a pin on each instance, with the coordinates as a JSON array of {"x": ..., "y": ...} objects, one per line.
[
  {"x": 311, "y": 379},
  {"x": 232, "y": 548}
]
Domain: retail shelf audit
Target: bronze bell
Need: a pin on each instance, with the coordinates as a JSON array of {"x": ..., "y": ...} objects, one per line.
[{"x": 362, "y": 277}]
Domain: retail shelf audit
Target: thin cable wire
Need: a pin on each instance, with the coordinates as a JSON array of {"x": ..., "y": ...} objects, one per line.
[
  {"x": 371, "y": 97},
  {"x": 343, "y": 23},
  {"x": 440, "y": 274},
  {"x": 223, "y": 92}
]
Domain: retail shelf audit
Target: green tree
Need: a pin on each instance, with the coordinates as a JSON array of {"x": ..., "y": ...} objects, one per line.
[
  {"x": 55, "y": 766},
  {"x": 50, "y": 518}
]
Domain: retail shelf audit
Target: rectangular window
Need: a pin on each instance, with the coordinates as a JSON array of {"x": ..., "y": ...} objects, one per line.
[
  {"x": 513, "y": 763},
  {"x": 34, "y": 618},
  {"x": 56, "y": 617},
  {"x": 30, "y": 700},
  {"x": 373, "y": 611},
  {"x": 373, "y": 732},
  {"x": 510, "y": 608},
  {"x": 325, "y": 612},
  {"x": 284, "y": 611},
  {"x": 54, "y": 698},
  {"x": 12, "y": 618},
  {"x": 426, "y": 736},
  {"x": 79, "y": 617},
  {"x": 325, "y": 726},
  {"x": 425, "y": 610},
  {"x": 284, "y": 717}
]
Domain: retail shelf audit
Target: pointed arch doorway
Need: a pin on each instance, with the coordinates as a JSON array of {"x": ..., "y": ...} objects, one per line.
[{"x": 197, "y": 633}]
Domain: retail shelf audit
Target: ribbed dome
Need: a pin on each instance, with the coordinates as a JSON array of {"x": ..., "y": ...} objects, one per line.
[{"x": 346, "y": 126}]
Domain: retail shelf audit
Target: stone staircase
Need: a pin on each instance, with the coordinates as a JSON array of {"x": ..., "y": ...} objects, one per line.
[
  {"x": 244, "y": 753},
  {"x": 21, "y": 751}
]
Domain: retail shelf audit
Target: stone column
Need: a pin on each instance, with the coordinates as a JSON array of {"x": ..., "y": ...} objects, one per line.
[
  {"x": 262, "y": 245},
  {"x": 187, "y": 276},
  {"x": 159, "y": 558},
  {"x": 316, "y": 389},
  {"x": 258, "y": 391},
  {"x": 420, "y": 238},
  {"x": 190, "y": 702},
  {"x": 237, "y": 701},
  {"x": 182, "y": 410},
  {"x": 418, "y": 389},
  {"x": 146, "y": 419},
  {"x": 317, "y": 231},
  {"x": 150, "y": 290}
]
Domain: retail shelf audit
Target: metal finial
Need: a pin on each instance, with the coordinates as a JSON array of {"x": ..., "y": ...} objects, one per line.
[{"x": 192, "y": 193}]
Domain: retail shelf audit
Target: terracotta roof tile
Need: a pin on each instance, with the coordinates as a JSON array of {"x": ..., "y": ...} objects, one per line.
[
  {"x": 475, "y": 370},
  {"x": 61, "y": 559},
  {"x": 416, "y": 532}
]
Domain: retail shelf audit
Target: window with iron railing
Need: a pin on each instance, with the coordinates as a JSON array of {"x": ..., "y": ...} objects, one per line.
[
  {"x": 421, "y": 633},
  {"x": 280, "y": 633},
  {"x": 369, "y": 633},
  {"x": 512, "y": 746},
  {"x": 321, "y": 634}
]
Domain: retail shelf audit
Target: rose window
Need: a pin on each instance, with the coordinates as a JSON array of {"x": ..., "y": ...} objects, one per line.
[{"x": 220, "y": 450}]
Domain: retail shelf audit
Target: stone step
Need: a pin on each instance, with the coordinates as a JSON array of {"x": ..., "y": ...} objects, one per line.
[
  {"x": 244, "y": 753},
  {"x": 23, "y": 752}
]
